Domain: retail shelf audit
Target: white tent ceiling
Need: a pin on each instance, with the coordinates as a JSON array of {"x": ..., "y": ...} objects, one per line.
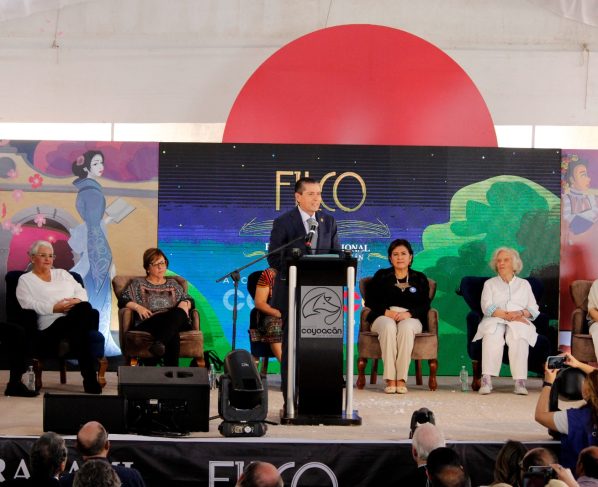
[{"x": 184, "y": 61}]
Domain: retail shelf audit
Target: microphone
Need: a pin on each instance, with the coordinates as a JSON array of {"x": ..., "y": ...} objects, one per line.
[{"x": 312, "y": 231}]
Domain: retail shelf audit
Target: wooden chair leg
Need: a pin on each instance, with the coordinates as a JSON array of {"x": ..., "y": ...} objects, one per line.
[
  {"x": 476, "y": 383},
  {"x": 432, "y": 383},
  {"x": 361, "y": 363},
  {"x": 37, "y": 369},
  {"x": 418, "y": 372},
  {"x": 103, "y": 361},
  {"x": 62, "y": 365},
  {"x": 374, "y": 373}
]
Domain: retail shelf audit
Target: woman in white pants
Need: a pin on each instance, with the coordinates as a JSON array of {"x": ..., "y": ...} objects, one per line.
[
  {"x": 509, "y": 306},
  {"x": 399, "y": 299}
]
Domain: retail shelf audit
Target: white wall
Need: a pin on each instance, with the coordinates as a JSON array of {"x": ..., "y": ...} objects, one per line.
[{"x": 184, "y": 61}]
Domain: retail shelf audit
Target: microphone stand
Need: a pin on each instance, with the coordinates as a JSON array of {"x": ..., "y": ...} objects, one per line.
[{"x": 235, "y": 275}]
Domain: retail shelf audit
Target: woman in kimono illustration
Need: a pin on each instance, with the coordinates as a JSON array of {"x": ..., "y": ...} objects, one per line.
[{"x": 89, "y": 241}]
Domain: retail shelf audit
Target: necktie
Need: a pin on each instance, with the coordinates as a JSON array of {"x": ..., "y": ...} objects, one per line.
[{"x": 314, "y": 241}]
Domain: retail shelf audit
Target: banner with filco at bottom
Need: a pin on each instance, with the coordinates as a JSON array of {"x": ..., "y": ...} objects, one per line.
[{"x": 218, "y": 463}]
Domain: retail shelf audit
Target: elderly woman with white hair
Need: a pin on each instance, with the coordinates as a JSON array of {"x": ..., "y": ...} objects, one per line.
[
  {"x": 509, "y": 307},
  {"x": 62, "y": 309}
]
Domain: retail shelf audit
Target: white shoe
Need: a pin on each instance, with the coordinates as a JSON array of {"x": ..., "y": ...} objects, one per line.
[
  {"x": 486, "y": 385},
  {"x": 520, "y": 388}
]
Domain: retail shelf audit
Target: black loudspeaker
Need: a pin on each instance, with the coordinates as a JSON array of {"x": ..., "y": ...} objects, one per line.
[
  {"x": 163, "y": 400},
  {"x": 66, "y": 413}
]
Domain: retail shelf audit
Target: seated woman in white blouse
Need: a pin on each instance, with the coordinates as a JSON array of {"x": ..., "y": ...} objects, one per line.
[
  {"x": 62, "y": 309},
  {"x": 509, "y": 306}
]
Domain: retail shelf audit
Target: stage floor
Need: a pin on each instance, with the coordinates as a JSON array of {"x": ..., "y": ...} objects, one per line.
[{"x": 466, "y": 417}]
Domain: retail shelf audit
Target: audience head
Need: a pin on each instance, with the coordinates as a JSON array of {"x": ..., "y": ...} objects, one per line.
[
  {"x": 260, "y": 474},
  {"x": 426, "y": 438},
  {"x": 508, "y": 463},
  {"x": 96, "y": 473},
  {"x": 92, "y": 440},
  {"x": 47, "y": 458},
  {"x": 540, "y": 457},
  {"x": 515, "y": 259},
  {"x": 153, "y": 255},
  {"x": 445, "y": 469},
  {"x": 587, "y": 462}
]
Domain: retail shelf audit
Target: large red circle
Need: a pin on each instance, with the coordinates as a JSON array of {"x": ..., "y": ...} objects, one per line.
[{"x": 360, "y": 84}]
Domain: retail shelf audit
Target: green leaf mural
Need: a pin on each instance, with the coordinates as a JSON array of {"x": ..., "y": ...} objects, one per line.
[{"x": 501, "y": 211}]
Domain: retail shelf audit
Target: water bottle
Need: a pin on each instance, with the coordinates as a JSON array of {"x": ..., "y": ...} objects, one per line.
[
  {"x": 30, "y": 378},
  {"x": 464, "y": 379},
  {"x": 212, "y": 378}
]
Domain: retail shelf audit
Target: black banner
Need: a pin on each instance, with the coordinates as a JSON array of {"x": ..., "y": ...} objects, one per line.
[{"x": 218, "y": 462}]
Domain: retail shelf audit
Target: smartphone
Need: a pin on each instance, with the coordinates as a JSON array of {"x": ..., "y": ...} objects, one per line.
[{"x": 556, "y": 362}]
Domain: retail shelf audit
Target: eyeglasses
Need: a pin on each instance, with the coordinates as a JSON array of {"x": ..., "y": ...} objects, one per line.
[
  {"x": 46, "y": 256},
  {"x": 159, "y": 264}
]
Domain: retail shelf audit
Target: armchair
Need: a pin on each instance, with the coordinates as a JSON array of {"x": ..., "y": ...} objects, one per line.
[
  {"x": 135, "y": 344},
  {"x": 582, "y": 345},
  {"x": 27, "y": 318},
  {"x": 424, "y": 348},
  {"x": 471, "y": 290}
]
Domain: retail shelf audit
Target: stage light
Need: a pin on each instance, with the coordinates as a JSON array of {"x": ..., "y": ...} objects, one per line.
[{"x": 242, "y": 399}]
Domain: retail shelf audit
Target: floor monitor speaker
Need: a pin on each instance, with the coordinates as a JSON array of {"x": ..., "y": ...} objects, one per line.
[{"x": 162, "y": 400}]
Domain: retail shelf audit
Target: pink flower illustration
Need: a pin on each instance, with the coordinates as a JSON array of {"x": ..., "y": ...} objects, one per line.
[
  {"x": 36, "y": 181},
  {"x": 17, "y": 229},
  {"x": 17, "y": 194},
  {"x": 39, "y": 220},
  {"x": 12, "y": 173}
]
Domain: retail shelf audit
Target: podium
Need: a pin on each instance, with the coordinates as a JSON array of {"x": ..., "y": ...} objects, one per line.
[{"x": 316, "y": 336}]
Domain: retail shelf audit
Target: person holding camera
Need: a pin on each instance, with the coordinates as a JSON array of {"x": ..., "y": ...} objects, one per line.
[
  {"x": 539, "y": 469},
  {"x": 578, "y": 426}
]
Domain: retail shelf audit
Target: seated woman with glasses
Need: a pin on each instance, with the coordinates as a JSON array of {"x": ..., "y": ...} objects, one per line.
[
  {"x": 62, "y": 309},
  {"x": 161, "y": 306}
]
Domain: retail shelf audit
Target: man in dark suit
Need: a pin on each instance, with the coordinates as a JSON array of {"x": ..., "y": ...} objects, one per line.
[
  {"x": 93, "y": 444},
  {"x": 291, "y": 226}
]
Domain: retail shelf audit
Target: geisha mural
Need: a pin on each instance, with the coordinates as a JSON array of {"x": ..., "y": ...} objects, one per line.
[
  {"x": 88, "y": 240},
  {"x": 99, "y": 223}
]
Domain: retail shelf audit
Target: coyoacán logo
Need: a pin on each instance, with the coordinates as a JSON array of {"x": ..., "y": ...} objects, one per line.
[{"x": 322, "y": 303}]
